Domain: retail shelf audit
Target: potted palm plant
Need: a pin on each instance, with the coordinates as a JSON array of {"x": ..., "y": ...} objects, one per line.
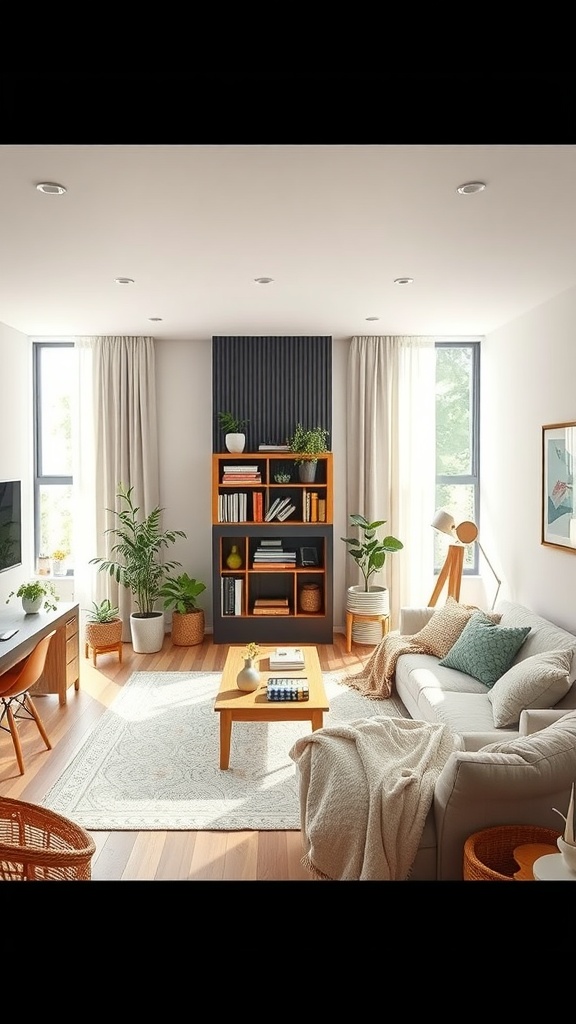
[
  {"x": 309, "y": 443},
  {"x": 369, "y": 553},
  {"x": 180, "y": 593},
  {"x": 235, "y": 438},
  {"x": 136, "y": 563}
]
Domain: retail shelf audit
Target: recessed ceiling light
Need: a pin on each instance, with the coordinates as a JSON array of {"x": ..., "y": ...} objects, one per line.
[
  {"x": 372, "y": 317},
  {"x": 124, "y": 280},
  {"x": 470, "y": 187},
  {"x": 403, "y": 280},
  {"x": 155, "y": 319},
  {"x": 264, "y": 280},
  {"x": 50, "y": 188}
]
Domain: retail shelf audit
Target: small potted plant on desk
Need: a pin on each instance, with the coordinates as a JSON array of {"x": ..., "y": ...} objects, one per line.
[
  {"x": 103, "y": 631},
  {"x": 35, "y": 593},
  {"x": 180, "y": 593}
]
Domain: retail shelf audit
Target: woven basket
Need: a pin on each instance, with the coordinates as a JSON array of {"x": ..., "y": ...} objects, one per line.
[
  {"x": 488, "y": 855},
  {"x": 187, "y": 628},
  {"x": 103, "y": 634},
  {"x": 310, "y": 597},
  {"x": 39, "y": 845}
]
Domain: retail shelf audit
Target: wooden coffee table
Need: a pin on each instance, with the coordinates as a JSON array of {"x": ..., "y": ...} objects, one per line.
[{"x": 233, "y": 705}]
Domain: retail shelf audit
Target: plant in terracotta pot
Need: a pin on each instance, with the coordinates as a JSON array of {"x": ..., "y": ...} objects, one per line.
[
  {"x": 103, "y": 625},
  {"x": 309, "y": 443},
  {"x": 36, "y": 594},
  {"x": 235, "y": 438},
  {"x": 180, "y": 593},
  {"x": 137, "y": 563}
]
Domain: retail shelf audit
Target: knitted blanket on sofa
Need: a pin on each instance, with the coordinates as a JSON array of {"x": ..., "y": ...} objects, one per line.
[
  {"x": 377, "y": 677},
  {"x": 365, "y": 790}
]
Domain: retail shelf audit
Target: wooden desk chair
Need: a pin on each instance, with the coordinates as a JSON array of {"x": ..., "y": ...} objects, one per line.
[{"x": 16, "y": 702}]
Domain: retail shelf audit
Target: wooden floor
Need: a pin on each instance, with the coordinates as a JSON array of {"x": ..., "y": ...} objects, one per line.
[{"x": 157, "y": 856}]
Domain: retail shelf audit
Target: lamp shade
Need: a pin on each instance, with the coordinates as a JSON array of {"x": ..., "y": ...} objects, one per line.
[{"x": 444, "y": 522}]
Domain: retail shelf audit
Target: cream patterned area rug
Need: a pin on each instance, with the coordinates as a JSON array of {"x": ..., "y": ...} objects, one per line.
[{"x": 151, "y": 762}]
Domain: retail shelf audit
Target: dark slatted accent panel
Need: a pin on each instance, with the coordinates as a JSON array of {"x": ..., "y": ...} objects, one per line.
[{"x": 274, "y": 383}]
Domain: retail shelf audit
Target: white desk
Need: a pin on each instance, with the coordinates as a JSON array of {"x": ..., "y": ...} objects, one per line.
[{"x": 552, "y": 868}]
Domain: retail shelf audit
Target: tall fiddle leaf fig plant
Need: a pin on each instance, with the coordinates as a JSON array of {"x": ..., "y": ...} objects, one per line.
[{"x": 367, "y": 550}]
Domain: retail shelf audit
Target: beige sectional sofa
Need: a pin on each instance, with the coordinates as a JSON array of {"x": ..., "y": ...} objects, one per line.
[{"x": 511, "y": 775}]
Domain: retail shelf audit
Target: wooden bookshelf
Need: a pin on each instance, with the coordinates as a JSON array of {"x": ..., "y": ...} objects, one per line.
[{"x": 302, "y": 554}]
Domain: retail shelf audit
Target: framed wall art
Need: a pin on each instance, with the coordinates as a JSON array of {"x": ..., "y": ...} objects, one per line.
[{"x": 558, "y": 503}]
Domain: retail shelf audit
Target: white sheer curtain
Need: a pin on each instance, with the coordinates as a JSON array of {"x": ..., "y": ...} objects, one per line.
[
  {"x": 116, "y": 441},
  {"x": 391, "y": 457}
]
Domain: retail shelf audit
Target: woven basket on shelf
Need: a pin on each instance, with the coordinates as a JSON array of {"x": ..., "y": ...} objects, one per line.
[
  {"x": 488, "y": 855},
  {"x": 39, "y": 845},
  {"x": 310, "y": 597}
]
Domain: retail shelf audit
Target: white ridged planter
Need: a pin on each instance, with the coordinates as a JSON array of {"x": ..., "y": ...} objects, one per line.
[
  {"x": 374, "y": 601},
  {"x": 235, "y": 442},
  {"x": 147, "y": 633}
]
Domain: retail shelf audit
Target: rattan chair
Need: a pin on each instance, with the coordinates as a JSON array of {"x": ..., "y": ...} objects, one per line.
[
  {"x": 38, "y": 845},
  {"x": 16, "y": 702}
]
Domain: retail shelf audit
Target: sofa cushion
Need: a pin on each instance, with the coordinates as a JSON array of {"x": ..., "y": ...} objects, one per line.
[
  {"x": 443, "y": 629},
  {"x": 485, "y": 650},
  {"x": 537, "y": 682},
  {"x": 544, "y": 635}
]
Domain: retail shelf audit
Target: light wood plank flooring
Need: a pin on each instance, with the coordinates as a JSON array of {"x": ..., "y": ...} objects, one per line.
[{"x": 154, "y": 856}]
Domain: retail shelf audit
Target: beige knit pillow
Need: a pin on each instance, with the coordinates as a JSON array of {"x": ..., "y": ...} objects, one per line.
[{"x": 442, "y": 631}]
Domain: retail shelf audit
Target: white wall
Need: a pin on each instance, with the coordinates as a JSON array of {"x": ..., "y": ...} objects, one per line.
[
  {"x": 528, "y": 379},
  {"x": 16, "y": 452}
]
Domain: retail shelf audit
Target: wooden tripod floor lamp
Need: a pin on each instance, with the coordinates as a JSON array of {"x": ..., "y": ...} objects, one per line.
[{"x": 465, "y": 533}]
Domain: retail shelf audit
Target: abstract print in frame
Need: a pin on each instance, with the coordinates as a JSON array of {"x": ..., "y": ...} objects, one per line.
[{"x": 558, "y": 510}]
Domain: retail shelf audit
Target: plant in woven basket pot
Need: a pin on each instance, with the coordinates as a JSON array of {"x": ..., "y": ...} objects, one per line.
[
  {"x": 180, "y": 593},
  {"x": 103, "y": 624}
]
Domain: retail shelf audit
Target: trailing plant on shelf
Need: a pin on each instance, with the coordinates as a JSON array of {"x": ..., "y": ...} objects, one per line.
[
  {"x": 309, "y": 442},
  {"x": 37, "y": 590},
  {"x": 136, "y": 561},
  {"x": 368, "y": 551}
]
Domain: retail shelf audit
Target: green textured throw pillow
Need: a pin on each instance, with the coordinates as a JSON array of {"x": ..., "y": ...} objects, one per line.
[{"x": 484, "y": 650}]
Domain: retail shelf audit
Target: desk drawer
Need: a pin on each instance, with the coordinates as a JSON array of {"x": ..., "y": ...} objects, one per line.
[
  {"x": 71, "y": 627},
  {"x": 71, "y": 649},
  {"x": 72, "y": 670}
]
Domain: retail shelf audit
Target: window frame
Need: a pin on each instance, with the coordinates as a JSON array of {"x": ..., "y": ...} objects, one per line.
[
  {"x": 473, "y": 478},
  {"x": 40, "y": 478}
]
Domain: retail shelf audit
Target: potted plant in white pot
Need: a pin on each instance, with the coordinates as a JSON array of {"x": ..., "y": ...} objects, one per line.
[
  {"x": 369, "y": 553},
  {"x": 180, "y": 593},
  {"x": 36, "y": 594},
  {"x": 310, "y": 443},
  {"x": 137, "y": 564},
  {"x": 235, "y": 438}
]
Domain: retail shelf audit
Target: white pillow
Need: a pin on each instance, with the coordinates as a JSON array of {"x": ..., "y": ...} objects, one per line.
[{"x": 537, "y": 682}]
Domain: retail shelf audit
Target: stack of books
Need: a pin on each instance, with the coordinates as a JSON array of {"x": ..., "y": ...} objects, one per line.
[
  {"x": 271, "y": 606},
  {"x": 231, "y": 595},
  {"x": 241, "y": 474},
  {"x": 287, "y": 689},
  {"x": 271, "y": 555},
  {"x": 288, "y": 658}
]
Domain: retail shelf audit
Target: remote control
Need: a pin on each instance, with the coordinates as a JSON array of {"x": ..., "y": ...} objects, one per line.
[{"x": 8, "y": 635}]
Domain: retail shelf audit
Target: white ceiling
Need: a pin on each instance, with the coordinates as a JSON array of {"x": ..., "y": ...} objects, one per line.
[{"x": 333, "y": 225}]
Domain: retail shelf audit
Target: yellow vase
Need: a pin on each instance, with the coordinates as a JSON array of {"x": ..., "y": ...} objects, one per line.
[{"x": 234, "y": 560}]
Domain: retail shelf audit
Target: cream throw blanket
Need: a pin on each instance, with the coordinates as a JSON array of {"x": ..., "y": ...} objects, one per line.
[
  {"x": 376, "y": 679},
  {"x": 365, "y": 790}
]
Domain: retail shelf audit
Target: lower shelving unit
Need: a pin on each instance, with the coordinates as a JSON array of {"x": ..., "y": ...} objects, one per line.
[{"x": 300, "y": 587}]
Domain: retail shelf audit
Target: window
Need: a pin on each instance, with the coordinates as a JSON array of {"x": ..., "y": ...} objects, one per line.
[
  {"x": 457, "y": 441},
  {"x": 54, "y": 377}
]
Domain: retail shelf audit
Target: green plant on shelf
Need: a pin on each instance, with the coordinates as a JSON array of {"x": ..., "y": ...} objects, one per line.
[{"x": 230, "y": 424}]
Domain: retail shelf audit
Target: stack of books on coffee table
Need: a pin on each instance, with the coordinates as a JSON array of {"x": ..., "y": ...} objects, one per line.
[{"x": 289, "y": 658}]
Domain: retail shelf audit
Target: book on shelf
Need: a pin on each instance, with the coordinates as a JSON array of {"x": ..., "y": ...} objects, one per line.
[
  {"x": 274, "y": 555},
  {"x": 270, "y": 610},
  {"x": 266, "y": 566},
  {"x": 272, "y": 542},
  {"x": 277, "y": 505},
  {"x": 286, "y": 689},
  {"x": 287, "y": 658},
  {"x": 274, "y": 448},
  {"x": 238, "y": 584},
  {"x": 321, "y": 510},
  {"x": 240, "y": 469},
  {"x": 313, "y": 506},
  {"x": 285, "y": 512},
  {"x": 257, "y": 506},
  {"x": 271, "y": 602},
  {"x": 308, "y": 556}
]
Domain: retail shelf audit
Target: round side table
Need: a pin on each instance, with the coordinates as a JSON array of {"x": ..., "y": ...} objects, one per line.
[{"x": 552, "y": 868}]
